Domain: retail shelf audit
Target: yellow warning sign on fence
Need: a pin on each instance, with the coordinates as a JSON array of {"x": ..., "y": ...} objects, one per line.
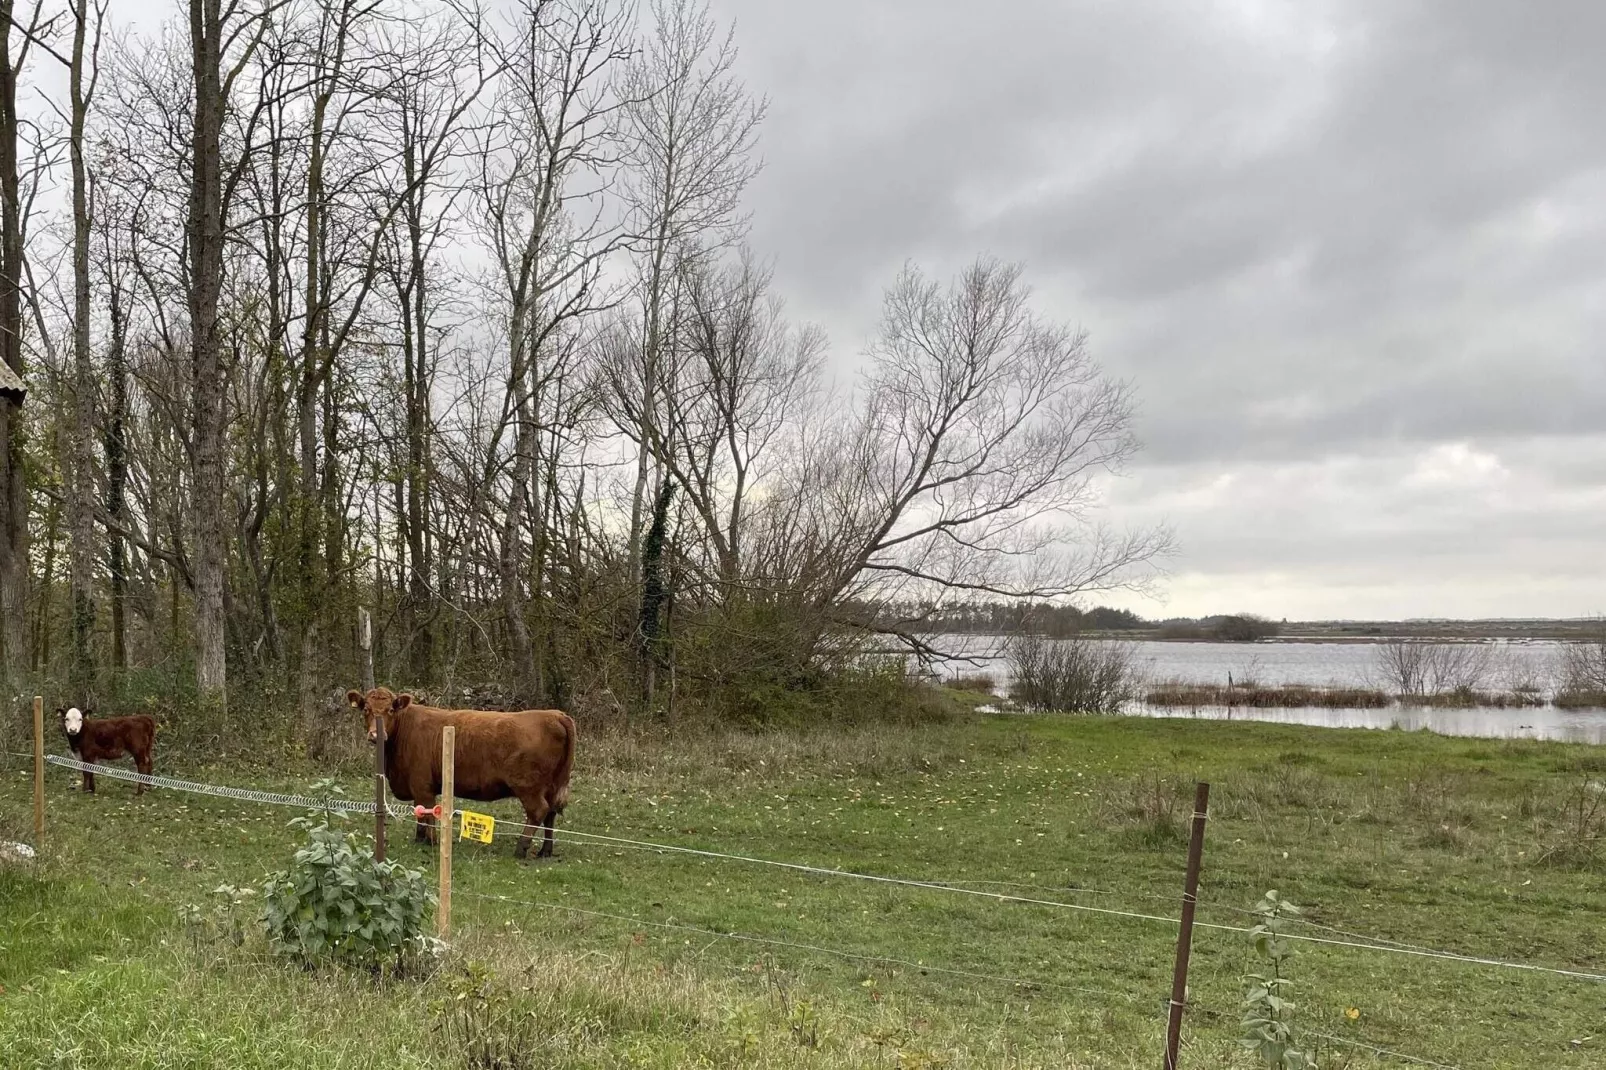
[{"x": 478, "y": 826}]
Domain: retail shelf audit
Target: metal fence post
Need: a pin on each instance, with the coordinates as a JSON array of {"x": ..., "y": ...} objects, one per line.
[{"x": 1190, "y": 899}]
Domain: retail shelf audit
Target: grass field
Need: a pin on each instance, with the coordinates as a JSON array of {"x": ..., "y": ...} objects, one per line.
[{"x": 1492, "y": 849}]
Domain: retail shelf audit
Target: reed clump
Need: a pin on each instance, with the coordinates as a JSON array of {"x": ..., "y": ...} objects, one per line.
[
  {"x": 1466, "y": 698},
  {"x": 1286, "y": 696}
]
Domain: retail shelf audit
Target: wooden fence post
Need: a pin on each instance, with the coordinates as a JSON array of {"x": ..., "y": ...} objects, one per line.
[
  {"x": 443, "y": 830},
  {"x": 379, "y": 792},
  {"x": 1190, "y": 899},
  {"x": 38, "y": 773}
]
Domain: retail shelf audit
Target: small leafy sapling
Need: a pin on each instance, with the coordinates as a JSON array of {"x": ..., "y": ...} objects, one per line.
[{"x": 1267, "y": 1024}]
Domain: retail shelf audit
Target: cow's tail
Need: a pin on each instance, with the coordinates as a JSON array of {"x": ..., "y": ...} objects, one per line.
[{"x": 560, "y": 796}]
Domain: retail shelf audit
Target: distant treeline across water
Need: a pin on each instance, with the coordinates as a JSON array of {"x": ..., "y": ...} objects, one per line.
[{"x": 1015, "y": 618}]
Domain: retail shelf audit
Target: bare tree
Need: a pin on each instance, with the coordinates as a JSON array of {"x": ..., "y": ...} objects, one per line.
[
  {"x": 557, "y": 135},
  {"x": 693, "y": 128},
  {"x": 972, "y": 465},
  {"x": 427, "y": 114},
  {"x": 324, "y": 60},
  {"x": 748, "y": 374}
]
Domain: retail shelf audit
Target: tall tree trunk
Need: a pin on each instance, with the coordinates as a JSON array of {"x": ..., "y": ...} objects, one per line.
[
  {"x": 653, "y": 593},
  {"x": 511, "y": 555},
  {"x": 277, "y": 468},
  {"x": 204, "y": 236},
  {"x": 307, "y": 543},
  {"x": 421, "y": 624},
  {"x": 115, "y": 446},
  {"x": 652, "y": 347},
  {"x": 336, "y": 520},
  {"x": 80, "y": 486},
  {"x": 315, "y": 532},
  {"x": 41, "y": 627},
  {"x": 13, "y": 489}
]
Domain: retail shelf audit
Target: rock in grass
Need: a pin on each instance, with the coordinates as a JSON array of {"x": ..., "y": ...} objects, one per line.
[{"x": 15, "y": 852}]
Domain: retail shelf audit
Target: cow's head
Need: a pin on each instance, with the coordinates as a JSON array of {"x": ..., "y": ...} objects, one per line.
[
  {"x": 380, "y": 703},
  {"x": 72, "y": 719}
]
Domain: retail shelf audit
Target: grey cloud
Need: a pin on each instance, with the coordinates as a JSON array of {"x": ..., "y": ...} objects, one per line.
[{"x": 1322, "y": 240}]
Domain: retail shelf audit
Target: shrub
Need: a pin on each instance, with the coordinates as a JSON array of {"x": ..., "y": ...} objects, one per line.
[
  {"x": 485, "y": 1027},
  {"x": 1416, "y": 670},
  {"x": 1583, "y": 672},
  {"x": 335, "y": 903},
  {"x": 1572, "y": 829},
  {"x": 1242, "y": 628},
  {"x": 1069, "y": 675},
  {"x": 1149, "y": 811}
]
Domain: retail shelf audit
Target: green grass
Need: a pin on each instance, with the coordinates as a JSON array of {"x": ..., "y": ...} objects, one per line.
[{"x": 1483, "y": 847}]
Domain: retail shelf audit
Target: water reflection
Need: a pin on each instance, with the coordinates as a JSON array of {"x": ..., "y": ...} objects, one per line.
[{"x": 1571, "y": 726}]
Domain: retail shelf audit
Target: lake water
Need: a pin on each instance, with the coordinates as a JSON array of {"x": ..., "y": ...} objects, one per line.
[
  {"x": 1570, "y": 726},
  {"x": 1511, "y": 664}
]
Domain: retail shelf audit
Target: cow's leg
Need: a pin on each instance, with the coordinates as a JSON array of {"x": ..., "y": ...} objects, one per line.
[
  {"x": 532, "y": 817},
  {"x": 546, "y": 840},
  {"x": 89, "y": 781},
  {"x": 548, "y": 819},
  {"x": 522, "y": 850},
  {"x": 142, "y": 764}
]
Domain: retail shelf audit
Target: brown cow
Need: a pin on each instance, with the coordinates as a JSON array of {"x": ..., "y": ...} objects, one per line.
[
  {"x": 528, "y": 755},
  {"x": 106, "y": 739}
]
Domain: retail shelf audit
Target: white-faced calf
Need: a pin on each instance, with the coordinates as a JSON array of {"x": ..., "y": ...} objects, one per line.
[{"x": 104, "y": 739}]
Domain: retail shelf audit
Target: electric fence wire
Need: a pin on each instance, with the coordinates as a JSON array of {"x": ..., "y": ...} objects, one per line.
[
  {"x": 271, "y": 798},
  {"x": 397, "y": 810},
  {"x": 307, "y": 802},
  {"x": 1375, "y": 1050},
  {"x": 856, "y": 956}
]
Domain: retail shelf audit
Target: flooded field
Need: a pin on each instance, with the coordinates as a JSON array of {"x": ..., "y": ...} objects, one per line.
[
  {"x": 1545, "y": 722},
  {"x": 1511, "y": 665}
]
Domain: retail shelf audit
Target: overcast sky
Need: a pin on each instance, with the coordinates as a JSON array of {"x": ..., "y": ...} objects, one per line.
[{"x": 1352, "y": 256}]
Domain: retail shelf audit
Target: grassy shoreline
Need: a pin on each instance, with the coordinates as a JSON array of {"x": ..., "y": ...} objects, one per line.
[{"x": 1477, "y": 846}]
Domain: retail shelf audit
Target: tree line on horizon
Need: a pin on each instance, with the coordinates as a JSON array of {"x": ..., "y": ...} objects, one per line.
[{"x": 1063, "y": 620}]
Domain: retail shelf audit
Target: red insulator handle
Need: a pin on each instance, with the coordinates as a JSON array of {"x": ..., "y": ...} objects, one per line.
[{"x": 433, "y": 811}]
